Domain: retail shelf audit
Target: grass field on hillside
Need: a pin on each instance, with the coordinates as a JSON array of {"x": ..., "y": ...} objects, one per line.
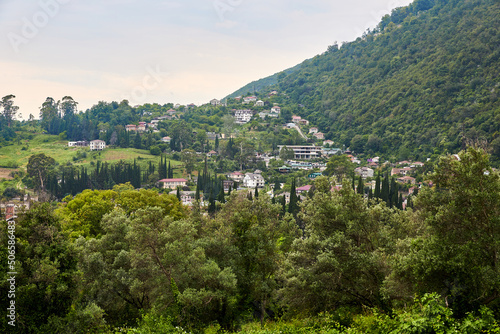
[{"x": 17, "y": 155}]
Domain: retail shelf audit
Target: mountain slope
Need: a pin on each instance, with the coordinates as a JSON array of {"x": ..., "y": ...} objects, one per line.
[
  {"x": 258, "y": 85},
  {"x": 422, "y": 82}
]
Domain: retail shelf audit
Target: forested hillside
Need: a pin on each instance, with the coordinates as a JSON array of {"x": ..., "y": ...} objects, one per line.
[{"x": 421, "y": 82}]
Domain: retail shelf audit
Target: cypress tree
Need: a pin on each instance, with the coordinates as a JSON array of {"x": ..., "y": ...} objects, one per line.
[
  {"x": 137, "y": 141},
  {"x": 170, "y": 171},
  {"x": 353, "y": 181},
  {"x": 256, "y": 192},
  {"x": 216, "y": 148},
  {"x": 361, "y": 186},
  {"x": 229, "y": 190},
  {"x": 384, "y": 193},
  {"x": 197, "y": 194},
  {"x": 277, "y": 186},
  {"x": 283, "y": 205},
  {"x": 393, "y": 193},
  {"x": 293, "y": 207},
  {"x": 220, "y": 197},
  {"x": 377, "y": 186},
  {"x": 178, "y": 194},
  {"x": 211, "y": 205}
]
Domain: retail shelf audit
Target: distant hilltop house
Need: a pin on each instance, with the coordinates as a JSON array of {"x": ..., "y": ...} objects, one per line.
[
  {"x": 364, "y": 172},
  {"x": 313, "y": 130},
  {"x": 141, "y": 127},
  {"x": 81, "y": 143},
  {"x": 191, "y": 105},
  {"x": 319, "y": 135},
  {"x": 273, "y": 92},
  {"x": 236, "y": 176},
  {"x": 259, "y": 103},
  {"x": 296, "y": 119},
  {"x": 304, "y": 152},
  {"x": 265, "y": 114},
  {"x": 253, "y": 180},
  {"x": 172, "y": 183},
  {"x": 276, "y": 109},
  {"x": 243, "y": 116},
  {"x": 249, "y": 99},
  {"x": 166, "y": 139},
  {"x": 97, "y": 145},
  {"x": 328, "y": 142},
  {"x": 215, "y": 102}
]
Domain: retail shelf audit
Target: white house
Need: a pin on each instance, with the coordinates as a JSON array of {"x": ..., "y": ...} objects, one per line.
[
  {"x": 276, "y": 109},
  {"x": 243, "y": 116},
  {"x": 97, "y": 145},
  {"x": 364, "y": 172},
  {"x": 215, "y": 102},
  {"x": 313, "y": 130},
  {"x": 253, "y": 180},
  {"x": 259, "y": 103},
  {"x": 248, "y": 99},
  {"x": 173, "y": 183}
]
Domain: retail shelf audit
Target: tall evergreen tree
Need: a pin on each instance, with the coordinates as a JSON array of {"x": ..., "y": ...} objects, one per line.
[
  {"x": 256, "y": 192},
  {"x": 377, "y": 186},
  {"x": 384, "y": 193},
  {"x": 361, "y": 186},
  {"x": 293, "y": 206}
]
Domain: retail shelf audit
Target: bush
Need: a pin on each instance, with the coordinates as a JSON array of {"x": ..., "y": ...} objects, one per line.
[{"x": 155, "y": 150}]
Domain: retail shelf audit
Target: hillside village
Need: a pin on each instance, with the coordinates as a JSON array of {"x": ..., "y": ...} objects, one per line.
[{"x": 263, "y": 169}]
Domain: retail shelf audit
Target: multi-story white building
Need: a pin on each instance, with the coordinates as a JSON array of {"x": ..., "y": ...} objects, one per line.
[
  {"x": 243, "y": 116},
  {"x": 97, "y": 145},
  {"x": 173, "y": 183},
  {"x": 304, "y": 152},
  {"x": 253, "y": 180}
]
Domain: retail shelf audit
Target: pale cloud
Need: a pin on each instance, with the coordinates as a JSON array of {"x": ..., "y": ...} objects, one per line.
[{"x": 101, "y": 49}]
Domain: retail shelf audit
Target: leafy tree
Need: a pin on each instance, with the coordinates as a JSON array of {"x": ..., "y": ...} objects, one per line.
[
  {"x": 9, "y": 112},
  {"x": 286, "y": 153},
  {"x": 248, "y": 236},
  {"x": 337, "y": 262},
  {"x": 456, "y": 257},
  {"x": 39, "y": 167},
  {"x": 188, "y": 157},
  {"x": 339, "y": 166},
  {"x": 46, "y": 271}
]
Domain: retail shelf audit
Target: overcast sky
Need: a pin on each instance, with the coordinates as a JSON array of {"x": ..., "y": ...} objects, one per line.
[{"x": 164, "y": 51}]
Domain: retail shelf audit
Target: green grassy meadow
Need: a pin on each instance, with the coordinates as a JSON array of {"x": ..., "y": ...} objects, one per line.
[{"x": 16, "y": 156}]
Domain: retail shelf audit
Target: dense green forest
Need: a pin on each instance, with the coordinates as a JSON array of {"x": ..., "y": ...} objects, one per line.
[
  {"x": 425, "y": 80},
  {"x": 125, "y": 260}
]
